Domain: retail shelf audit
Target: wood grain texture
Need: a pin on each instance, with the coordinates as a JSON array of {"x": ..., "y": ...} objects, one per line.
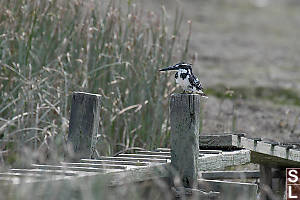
[
  {"x": 265, "y": 181},
  {"x": 84, "y": 124},
  {"x": 215, "y": 141},
  {"x": 185, "y": 119}
]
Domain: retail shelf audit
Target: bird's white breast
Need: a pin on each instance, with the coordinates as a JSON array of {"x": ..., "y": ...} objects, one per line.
[{"x": 184, "y": 83}]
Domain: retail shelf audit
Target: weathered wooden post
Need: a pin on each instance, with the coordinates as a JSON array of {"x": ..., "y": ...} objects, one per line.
[
  {"x": 84, "y": 124},
  {"x": 265, "y": 181},
  {"x": 185, "y": 120}
]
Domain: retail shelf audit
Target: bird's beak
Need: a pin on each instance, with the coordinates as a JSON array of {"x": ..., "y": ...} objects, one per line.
[{"x": 169, "y": 68}]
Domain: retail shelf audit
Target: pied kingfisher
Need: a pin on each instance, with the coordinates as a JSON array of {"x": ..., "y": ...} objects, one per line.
[{"x": 186, "y": 79}]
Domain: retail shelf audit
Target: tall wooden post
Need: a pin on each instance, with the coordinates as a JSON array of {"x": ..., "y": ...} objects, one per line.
[
  {"x": 84, "y": 124},
  {"x": 185, "y": 120}
]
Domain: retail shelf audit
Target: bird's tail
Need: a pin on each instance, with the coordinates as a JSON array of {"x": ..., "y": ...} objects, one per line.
[{"x": 201, "y": 93}]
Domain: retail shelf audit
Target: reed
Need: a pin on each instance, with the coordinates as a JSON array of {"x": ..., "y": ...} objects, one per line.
[{"x": 50, "y": 48}]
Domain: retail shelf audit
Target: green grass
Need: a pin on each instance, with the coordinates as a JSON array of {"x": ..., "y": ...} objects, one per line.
[{"x": 50, "y": 48}]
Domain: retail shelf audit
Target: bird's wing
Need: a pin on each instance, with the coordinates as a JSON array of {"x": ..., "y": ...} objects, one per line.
[{"x": 194, "y": 81}]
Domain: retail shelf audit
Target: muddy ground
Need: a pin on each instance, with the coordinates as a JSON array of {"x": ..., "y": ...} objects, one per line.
[{"x": 249, "y": 45}]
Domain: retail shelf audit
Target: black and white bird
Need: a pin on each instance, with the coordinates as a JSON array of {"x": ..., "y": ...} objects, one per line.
[{"x": 186, "y": 79}]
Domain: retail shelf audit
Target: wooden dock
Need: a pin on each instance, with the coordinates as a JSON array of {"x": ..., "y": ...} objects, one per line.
[{"x": 195, "y": 166}]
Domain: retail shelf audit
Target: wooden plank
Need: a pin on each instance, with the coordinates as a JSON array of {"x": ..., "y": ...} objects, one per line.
[
  {"x": 139, "y": 174},
  {"x": 21, "y": 175},
  {"x": 230, "y": 190},
  {"x": 77, "y": 168},
  {"x": 224, "y": 142},
  {"x": 248, "y": 143},
  {"x": 140, "y": 159},
  {"x": 163, "y": 153},
  {"x": 220, "y": 161},
  {"x": 47, "y": 172},
  {"x": 97, "y": 165},
  {"x": 210, "y": 151},
  {"x": 168, "y": 153},
  {"x": 251, "y": 174},
  {"x": 144, "y": 156},
  {"x": 294, "y": 154},
  {"x": 264, "y": 151},
  {"x": 236, "y": 141},
  {"x": 273, "y": 161},
  {"x": 184, "y": 120},
  {"x": 117, "y": 162},
  {"x": 184, "y": 193},
  {"x": 84, "y": 124},
  {"x": 266, "y": 148},
  {"x": 164, "y": 149},
  {"x": 215, "y": 141},
  {"x": 281, "y": 152},
  {"x": 209, "y": 162},
  {"x": 211, "y": 175}
]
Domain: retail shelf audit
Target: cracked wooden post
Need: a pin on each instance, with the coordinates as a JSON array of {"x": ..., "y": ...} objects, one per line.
[
  {"x": 84, "y": 124},
  {"x": 185, "y": 120}
]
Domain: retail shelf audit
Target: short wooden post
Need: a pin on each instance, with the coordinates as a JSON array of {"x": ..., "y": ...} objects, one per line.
[
  {"x": 265, "y": 181},
  {"x": 184, "y": 118},
  {"x": 84, "y": 124}
]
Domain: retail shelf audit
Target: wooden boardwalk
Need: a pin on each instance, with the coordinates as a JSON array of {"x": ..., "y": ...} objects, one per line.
[
  {"x": 271, "y": 153},
  {"x": 198, "y": 162},
  {"x": 145, "y": 162}
]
